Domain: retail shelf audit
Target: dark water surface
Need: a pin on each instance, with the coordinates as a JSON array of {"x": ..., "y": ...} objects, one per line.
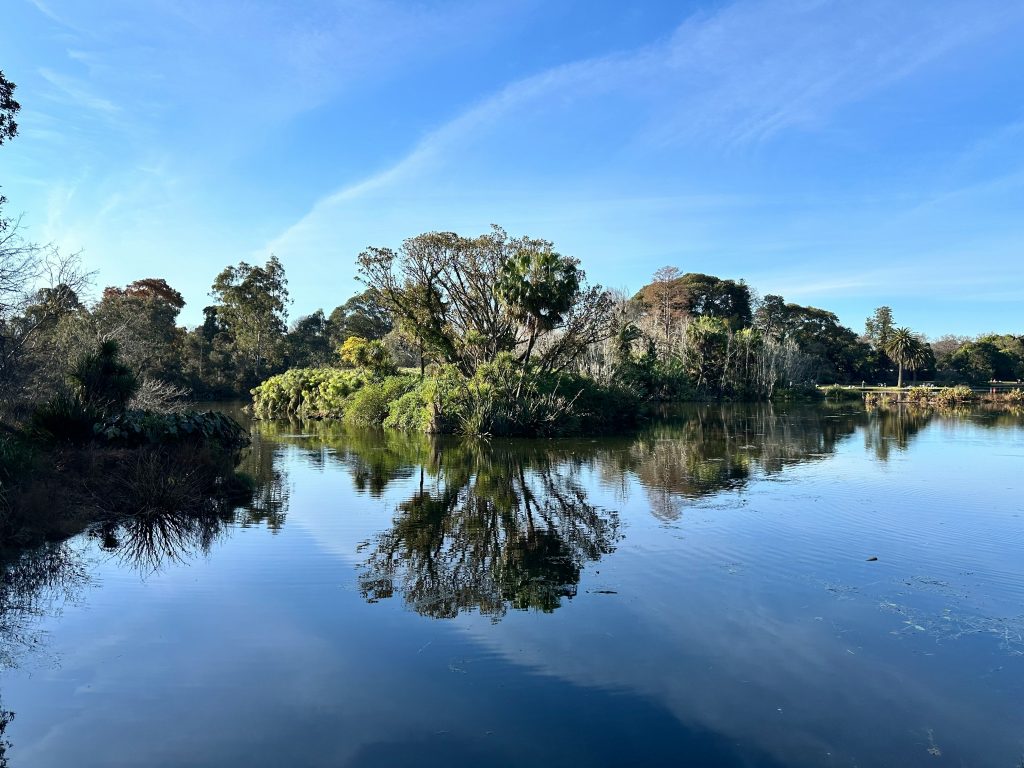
[{"x": 699, "y": 594}]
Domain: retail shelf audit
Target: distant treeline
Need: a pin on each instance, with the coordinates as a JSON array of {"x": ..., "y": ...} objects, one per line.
[{"x": 681, "y": 335}]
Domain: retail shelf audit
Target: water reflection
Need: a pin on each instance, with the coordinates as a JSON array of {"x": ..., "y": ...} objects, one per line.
[
  {"x": 700, "y": 451},
  {"x": 148, "y": 543},
  {"x": 33, "y": 583},
  {"x": 490, "y": 527}
]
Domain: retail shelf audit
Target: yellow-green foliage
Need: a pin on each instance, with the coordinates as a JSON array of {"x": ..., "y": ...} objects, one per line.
[
  {"x": 954, "y": 395},
  {"x": 307, "y": 392},
  {"x": 1014, "y": 396},
  {"x": 920, "y": 394}
]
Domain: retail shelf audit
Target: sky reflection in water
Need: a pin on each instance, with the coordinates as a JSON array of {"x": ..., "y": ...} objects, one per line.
[{"x": 699, "y": 594}]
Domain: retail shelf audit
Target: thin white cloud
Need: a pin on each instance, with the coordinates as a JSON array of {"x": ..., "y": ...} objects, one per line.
[
  {"x": 76, "y": 93},
  {"x": 721, "y": 80}
]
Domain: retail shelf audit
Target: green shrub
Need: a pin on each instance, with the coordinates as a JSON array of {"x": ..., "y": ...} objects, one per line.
[
  {"x": 954, "y": 395},
  {"x": 839, "y": 393},
  {"x": 64, "y": 419},
  {"x": 410, "y": 412},
  {"x": 797, "y": 394},
  {"x": 493, "y": 402},
  {"x": 307, "y": 393},
  {"x": 370, "y": 405}
]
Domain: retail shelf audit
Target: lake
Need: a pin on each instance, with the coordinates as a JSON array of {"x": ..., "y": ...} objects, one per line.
[{"x": 732, "y": 586}]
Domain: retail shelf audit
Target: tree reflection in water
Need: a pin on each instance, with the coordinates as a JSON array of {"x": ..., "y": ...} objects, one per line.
[
  {"x": 703, "y": 450},
  {"x": 491, "y": 527}
]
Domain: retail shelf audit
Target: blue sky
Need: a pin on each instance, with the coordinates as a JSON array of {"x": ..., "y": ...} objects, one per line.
[{"x": 842, "y": 154}]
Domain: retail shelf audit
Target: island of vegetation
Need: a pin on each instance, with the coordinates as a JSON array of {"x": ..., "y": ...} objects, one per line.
[{"x": 492, "y": 334}]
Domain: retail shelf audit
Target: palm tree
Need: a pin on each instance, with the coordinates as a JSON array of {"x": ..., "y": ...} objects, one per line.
[
  {"x": 903, "y": 349},
  {"x": 538, "y": 286}
]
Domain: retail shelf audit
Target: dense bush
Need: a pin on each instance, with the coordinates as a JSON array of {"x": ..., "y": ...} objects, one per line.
[
  {"x": 954, "y": 395},
  {"x": 839, "y": 393},
  {"x": 308, "y": 393},
  {"x": 370, "y": 405},
  {"x": 499, "y": 399},
  {"x": 64, "y": 418}
]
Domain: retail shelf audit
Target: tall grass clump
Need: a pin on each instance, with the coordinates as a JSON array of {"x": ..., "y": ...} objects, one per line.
[{"x": 948, "y": 396}]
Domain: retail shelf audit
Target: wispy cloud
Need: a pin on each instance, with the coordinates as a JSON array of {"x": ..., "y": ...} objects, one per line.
[
  {"x": 74, "y": 92},
  {"x": 720, "y": 81}
]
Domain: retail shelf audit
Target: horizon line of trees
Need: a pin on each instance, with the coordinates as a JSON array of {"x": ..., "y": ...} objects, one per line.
[
  {"x": 449, "y": 299},
  {"x": 462, "y": 301}
]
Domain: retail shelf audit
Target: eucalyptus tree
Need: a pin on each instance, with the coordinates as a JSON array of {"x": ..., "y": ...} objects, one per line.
[{"x": 252, "y": 304}]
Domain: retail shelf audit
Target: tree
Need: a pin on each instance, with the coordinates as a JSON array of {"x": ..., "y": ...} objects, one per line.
[
  {"x": 143, "y": 317},
  {"x": 252, "y": 305},
  {"x": 442, "y": 290},
  {"x": 538, "y": 287},
  {"x": 364, "y": 315},
  {"x": 904, "y": 349},
  {"x": 39, "y": 289},
  {"x": 878, "y": 327},
  {"x": 698, "y": 295},
  {"x": 440, "y": 287},
  {"x": 309, "y": 343},
  {"x": 8, "y": 109},
  {"x": 836, "y": 352},
  {"x": 664, "y": 297}
]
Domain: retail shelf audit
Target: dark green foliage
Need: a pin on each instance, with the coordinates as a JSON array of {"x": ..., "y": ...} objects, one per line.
[
  {"x": 101, "y": 382},
  {"x": 137, "y": 428},
  {"x": 251, "y": 313},
  {"x": 363, "y": 315},
  {"x": 993, "y": 357},
  {"x": 838, "y": 355},
  {"x": 64, "y": 418},
  {"x": 310, "y": 342},
  {"x": 697, "y": 295},
  {"x": 99, "y": 387},
  {"x": 8, "y": 109}
]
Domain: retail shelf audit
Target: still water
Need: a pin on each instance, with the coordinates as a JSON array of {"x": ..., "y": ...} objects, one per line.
[{"x": 703, "y": 593}]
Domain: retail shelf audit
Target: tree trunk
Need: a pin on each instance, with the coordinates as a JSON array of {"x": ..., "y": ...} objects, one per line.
[
  {"x": 899, "y": 376},
  {"x": 526, "y": 361}
]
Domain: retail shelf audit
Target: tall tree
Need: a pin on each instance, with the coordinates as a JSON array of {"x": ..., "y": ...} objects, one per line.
[
  {"x": 697, "y": 295},
  {"x": 878, "y": 327},
  {"x": 538, "y": 286},
  {"x": 309, "y": 341},
  {"x": 902, "y": 347},
  {"x": 252, "y": 303},
  {"x": 142, "y": 317},
  {"x": 364, "y": 315}
]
